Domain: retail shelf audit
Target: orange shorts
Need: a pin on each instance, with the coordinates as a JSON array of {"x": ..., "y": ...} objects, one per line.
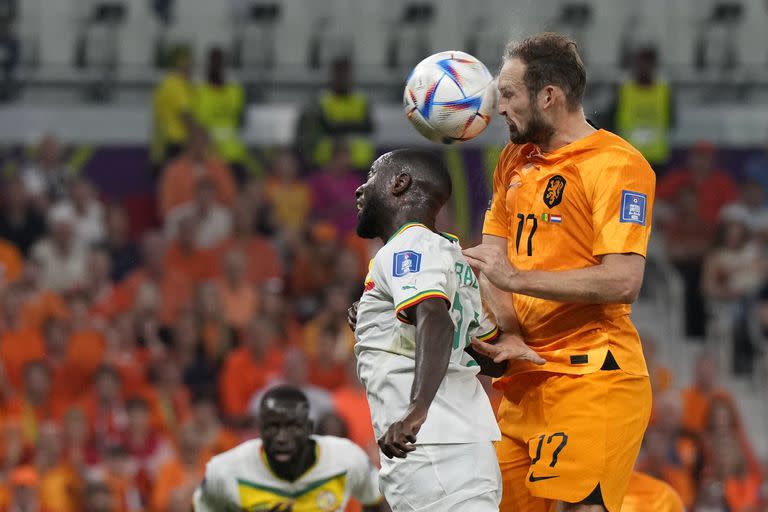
[{"x": 564, "y": 435}]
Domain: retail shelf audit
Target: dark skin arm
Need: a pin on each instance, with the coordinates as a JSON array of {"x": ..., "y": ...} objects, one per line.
[{"x": 434, "y": 332}]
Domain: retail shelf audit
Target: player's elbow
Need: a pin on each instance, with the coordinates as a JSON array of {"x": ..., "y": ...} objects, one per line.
[{"x": 629, "y": 290}]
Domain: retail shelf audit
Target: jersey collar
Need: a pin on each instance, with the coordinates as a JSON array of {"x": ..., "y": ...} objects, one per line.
[{"x": 408, "y": 225}]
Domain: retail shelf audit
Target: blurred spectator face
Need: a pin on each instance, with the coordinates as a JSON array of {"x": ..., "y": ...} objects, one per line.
[
  {"x": 204, "y": 413},
  {"x": 48, "y": 448},
  {"x": 234, "y": 266},
  {"x": 295, "y": 370},
  {"x": 16, "y": 197},
  {"x": 98, "y": 265},
  {"x": 75, "y": 427},
  {"x": 13, "y": 442},
  {"x": 729, "y": 459},
  {"x": 154, "y": 252},
  {"x": 107, "y": 385},
  {"x": 286, "y": 166},
  {"x": 198, "y": 144},
  {"x": 341, "y": 76},
  {"x": 99, "y": 498},
  {"x": 185, "y": 335},
  {"x": 138, "y": 417},
  {"x": 187, "y": 233},
  {"x": 687, "y": 202},
  {"x": 37, "y": 382},
  {"x": 341, "y": 161},
  {"x": 735, "y": 234},
  {"x": 260, "y": 335},
  {"x": 669, "y": 412},
  {"x": 26, "y": 497},
  {"x": 273, "y": 304},
  {"x": 701, "y": 159},
  {"x": 117, "y": 224},
  {"x": 337, "y": 302},
  {"x": 243, "y": 219},
  {"x": 332, "y": 425},
  {"x": 205, "y": 194},
  {"x": 49, "y": 151},
  {"x": 705, "y": 374},
  {"x": 189, "y": 443},
  {"x": 722, "y": 417},
  {"x": 56, "y": 337},
  {"x": 61, "y": 229},
  {"x": 122, "y": 335},
  {"x": 209, "y": 302},
  {"x": 753, "y": 195},
  {"x": 12, "y": 303},
  {"x": 82, "y": 193},
  {"x": 215, "y": 68},
  {"x": 644, "y": 65},
  {"x": 169, "y": 375}
]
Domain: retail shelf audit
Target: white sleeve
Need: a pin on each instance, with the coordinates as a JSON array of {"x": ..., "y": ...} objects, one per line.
[
  {"x": 415, "y": 269},
  {"x": 486, "y": 329},
  {"x": 363, "y": 477},
  {"x": 210, "y": 495}
]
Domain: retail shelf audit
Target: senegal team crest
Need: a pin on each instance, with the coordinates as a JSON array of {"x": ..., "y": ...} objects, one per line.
[
  {"x": 553, "y": 195},
  {"x": 327, "y": 501}
]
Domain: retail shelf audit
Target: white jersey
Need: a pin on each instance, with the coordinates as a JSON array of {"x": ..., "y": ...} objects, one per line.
[
  {"x": 241, "y": 479},
  {"x": 414, "y": 265}
]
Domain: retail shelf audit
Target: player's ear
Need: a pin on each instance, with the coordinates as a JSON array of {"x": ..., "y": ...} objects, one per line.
[
  {"x": 401, "y": 182},
  {"x": 548, "y": 94}
]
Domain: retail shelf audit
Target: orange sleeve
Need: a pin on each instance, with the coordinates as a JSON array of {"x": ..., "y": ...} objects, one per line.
[
  {"x": 168, "y": 478},
  {"x": 622, "y": 194},
  {"x": 496, "y": 219}
]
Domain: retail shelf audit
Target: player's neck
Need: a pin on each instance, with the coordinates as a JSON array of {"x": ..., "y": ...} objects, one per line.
[
  {"x": 572, "y": 128},
  {"x": 403, "y": 217}
]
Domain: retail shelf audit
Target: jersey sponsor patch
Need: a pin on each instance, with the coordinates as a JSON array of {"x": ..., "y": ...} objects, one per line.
[
  {"x": 406, "y": 262},
  {"x": 553, "y": 195},
  {"x": 633, "y": 207}
]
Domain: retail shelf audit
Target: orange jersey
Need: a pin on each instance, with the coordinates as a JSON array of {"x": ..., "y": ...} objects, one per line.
[
  {"x": 563, "y": 210},
  {"x": 647, "y": 494}
]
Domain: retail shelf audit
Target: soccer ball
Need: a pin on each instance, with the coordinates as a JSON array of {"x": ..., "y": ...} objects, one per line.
[{"x": 449, "y": 97}]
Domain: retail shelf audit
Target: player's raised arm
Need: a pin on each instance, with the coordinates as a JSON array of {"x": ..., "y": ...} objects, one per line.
[{"x": 434, "y": 330}]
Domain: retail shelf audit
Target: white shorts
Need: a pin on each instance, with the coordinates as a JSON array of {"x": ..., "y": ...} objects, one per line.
[{"x": 443, "y": 478}]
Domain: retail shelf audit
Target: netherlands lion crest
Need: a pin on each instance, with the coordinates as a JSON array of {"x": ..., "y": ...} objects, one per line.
[{"x": 553, "y": 194}]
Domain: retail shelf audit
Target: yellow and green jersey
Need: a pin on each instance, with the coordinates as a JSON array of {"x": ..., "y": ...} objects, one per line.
[{"x": 241, "y": 480}]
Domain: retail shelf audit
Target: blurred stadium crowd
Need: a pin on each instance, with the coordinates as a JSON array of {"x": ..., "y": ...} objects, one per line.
[{"x": 132, "y": 352}]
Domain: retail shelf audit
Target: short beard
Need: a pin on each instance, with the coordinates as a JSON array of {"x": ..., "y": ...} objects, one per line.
[
  {"x": 368, "y": 221},
  {"x": 537, "y": 131}
]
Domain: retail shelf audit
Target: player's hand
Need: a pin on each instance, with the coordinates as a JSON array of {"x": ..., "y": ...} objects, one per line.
[
  {"x": 352, "y": 315},
  {"x": 509, "y": 347},
  {"x": 492, "y": 262},
  {"x": 400, "y": 436}
]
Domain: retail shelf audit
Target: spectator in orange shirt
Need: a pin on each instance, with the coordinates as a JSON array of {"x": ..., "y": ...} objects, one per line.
[
  {"x": 178, "y": 478},
  {"x": 97, "y": 285},
  {"x": 260, "y": 252},
  {"x": 740, "y": 481},
  {"x": 119, "y": 474},
  {"x": 238, "y": 297},
  {"x": 67, "y": 381},
  {"x": 248, "y": 368},
  {"x": 351, "y": 404},
  {"x": 123, "y": 353},
  {"x": 33, "y": 406},
  {"x": 169, "y": 398},
  {"x": 184, "y": 255},
  {"x": 175, "y": 288},
  {"x": 180, "y": 177},
  {"x": 332, "y": 319},
  {"x": 274, "y": 305},
  {"x": 10, "y": 262},
  {"x": 656, "y": 463},
  {"x": 213, "y": 220},
  {"x": 18, "y": 344},
  {"x": 326, "y": 368},
  {"x": 60, "y": 486},
  {"x": 290, "y": 197},
  {"x": 714, "y": 187},
  {"x": 104, "y": 406},
  {"x": 217, "y": 336},
  {"x": 313, "y": 260},
  {"x": 78, "y": 451},
  {"x": 697, "y": 398},
  {"x": 40, "y": 303},
  {"x": 25, "y": 490},
  {"x": 724, "y": 424},
  {"x": 215, "y": 438}
]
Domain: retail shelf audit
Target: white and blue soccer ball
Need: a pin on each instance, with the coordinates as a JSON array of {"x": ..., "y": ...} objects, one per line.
[{"x": 450, "y": 97}]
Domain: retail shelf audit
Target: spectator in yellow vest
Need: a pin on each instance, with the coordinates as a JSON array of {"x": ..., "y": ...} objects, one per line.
[
  {"x": 219, "y": 108},
  {"x": 644, "y": 111},
  {"x": 337, "y": 113},
  {"x": 172, "y": 109}
]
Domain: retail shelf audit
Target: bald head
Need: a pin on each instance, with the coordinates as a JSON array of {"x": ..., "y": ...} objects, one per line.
[{"x": 428, "y": 173}]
